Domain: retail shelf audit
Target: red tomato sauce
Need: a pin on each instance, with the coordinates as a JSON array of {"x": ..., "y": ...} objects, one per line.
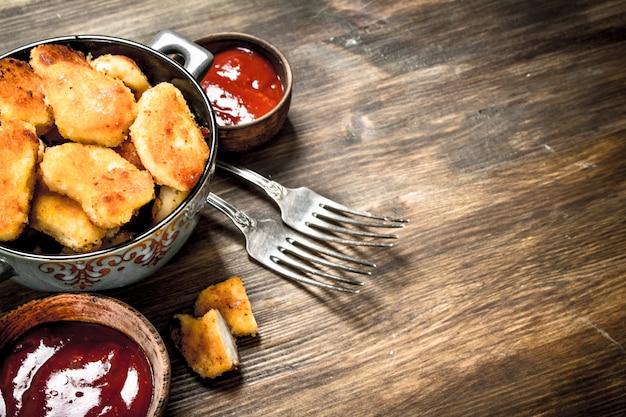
[
  {"x": 74, "y": 369},
  {"x": 242, "y": 86}
]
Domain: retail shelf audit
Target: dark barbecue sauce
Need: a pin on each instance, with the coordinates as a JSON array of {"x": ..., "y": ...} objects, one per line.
[
  {"x": 74, "y": 369},
  {"x": 242, "y": 86}
]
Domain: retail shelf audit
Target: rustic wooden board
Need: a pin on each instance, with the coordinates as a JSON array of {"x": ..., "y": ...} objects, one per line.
[{"x": 497, "y": 127}]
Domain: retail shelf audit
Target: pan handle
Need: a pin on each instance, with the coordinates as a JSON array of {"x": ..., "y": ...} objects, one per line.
[
  {"x": 197, "y": 60},
  {"x": 6, "y": 270}
]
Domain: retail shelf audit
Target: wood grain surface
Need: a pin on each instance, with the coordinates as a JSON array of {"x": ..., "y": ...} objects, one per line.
[{"x": 497, "y": 127}]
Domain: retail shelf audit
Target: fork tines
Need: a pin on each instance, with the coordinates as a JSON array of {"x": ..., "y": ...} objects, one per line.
[
  {"x": 298, "y": 256},
  {"x": 330, "y": 215}
]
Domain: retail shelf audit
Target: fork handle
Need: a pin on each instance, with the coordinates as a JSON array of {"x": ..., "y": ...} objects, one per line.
[
  {"x": 272, "y": 188},
  {"x": 238, "y": 217}
]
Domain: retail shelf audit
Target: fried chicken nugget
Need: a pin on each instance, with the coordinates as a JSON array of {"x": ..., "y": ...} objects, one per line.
[
  {"x": 124, "y": 69},
  {"x": 22, "y": 96},
  {"x": 19, "y": 154},
  {"x": 166, "y": 202},
  {"x": 89, "y": 106},
  {"x": 230, "y": 298},
  {"x": 169, "y": 142},
  {"x": 205, "y": 343},
  {"x": 63, "y": 218},
  {"x": 110, "y": 191}
]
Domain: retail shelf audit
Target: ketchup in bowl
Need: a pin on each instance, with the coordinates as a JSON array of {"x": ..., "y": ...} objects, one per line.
[
  {"x": 241, "y": 86},
  {"x": 74, "y": 369}
]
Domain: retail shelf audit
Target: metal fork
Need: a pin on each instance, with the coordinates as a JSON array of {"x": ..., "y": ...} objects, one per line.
[
  {"x": 317, "y": 216},
  {"x": 288, "y": 253}
]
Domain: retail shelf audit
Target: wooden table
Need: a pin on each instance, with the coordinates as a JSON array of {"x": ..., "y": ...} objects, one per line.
[{"x": 497, "y": 127}]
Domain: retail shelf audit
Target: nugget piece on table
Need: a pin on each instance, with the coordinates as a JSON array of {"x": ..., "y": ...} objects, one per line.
[
  {"x": 109, "y": 188},
  {"x": 205, "y": 343},
  {"x": 230, "y": 298},
  {"x": 168, "y": 140},
  {"x": 89, "y": 106},
  {"x": 63, "y": 218},
  {"x": 22, "y": 96},
  {"x": 19, "y": 154}
]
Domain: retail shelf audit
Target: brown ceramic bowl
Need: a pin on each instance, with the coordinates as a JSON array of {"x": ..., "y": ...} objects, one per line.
[
  {"x": 92, "y": 308},
  {"x": 247, "y": 136}
]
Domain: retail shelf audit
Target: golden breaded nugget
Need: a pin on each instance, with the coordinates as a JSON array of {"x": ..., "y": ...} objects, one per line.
[
  {"x": 19, "y": 154},
  {"x": 124, "y": 69},
  {"x": 43, "y": 56},
  {"x": 109, "y": 188},
  {"x": 230, "y": 298},
  {"x": 89, "y": 106},
  {"x": 165, "y": 203},
  {"x": 63, "y": 218},
  {"x": 168, "y": 140},
  {"x": 205, "y": 343},
  {"x": 114, "y": 239},
  {"x": 22, "y": 96}
]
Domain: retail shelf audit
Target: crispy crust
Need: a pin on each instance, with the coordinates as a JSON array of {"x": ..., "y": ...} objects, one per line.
[
  {"x": 22, "y": 96},
  {"x": 64, "y": 219},
  {"x": 205, "y": 343},
  {"x": 19, "y": 154},
  {"x": 124, "y": 69},
  {"x": 168, "y": 140},
  {"x": 230, "y": 298},
  {"x": 89, "y": 106},
  {"x": 110, "y": 191}
]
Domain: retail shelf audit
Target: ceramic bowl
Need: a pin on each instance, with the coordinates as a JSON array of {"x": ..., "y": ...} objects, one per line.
[
  {"x": 250, "y": 135},
  {"x": 142, "y": 255},
  {"x": 99, "y": 309}
]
